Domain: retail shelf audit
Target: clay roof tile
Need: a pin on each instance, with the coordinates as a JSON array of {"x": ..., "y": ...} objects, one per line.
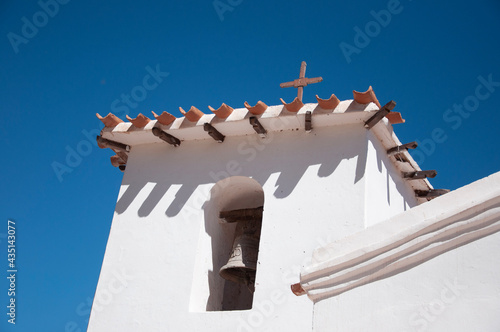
[
  {"x": 140, "y": 121},
  {"x": 193, "y": 114},
  {"x": 258, "y": 109},
  {"x": 328, "y": 104},
  {"x": 294, "y": 106},
  {"x": 222, "y": 112},
  {"x": 366, "y": 97},
  {"x": 395, "y": 118},
  {"x": 164, "y": 118},
  {"x": 109, "y": 120}
]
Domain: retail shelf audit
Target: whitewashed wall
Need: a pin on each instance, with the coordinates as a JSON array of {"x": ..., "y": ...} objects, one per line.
[
  {"x": 318, "y": 187},
  {"x": 457, "y": 291}
]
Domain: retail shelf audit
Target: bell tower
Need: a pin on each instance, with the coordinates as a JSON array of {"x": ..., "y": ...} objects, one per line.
[{"x": 218, "y": 213}]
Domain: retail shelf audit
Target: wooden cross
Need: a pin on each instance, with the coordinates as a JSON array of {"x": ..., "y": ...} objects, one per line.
[{"x": 302, "y": 81}]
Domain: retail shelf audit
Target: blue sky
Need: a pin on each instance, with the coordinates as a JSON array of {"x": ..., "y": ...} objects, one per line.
[{"x": 438, "y": 61}]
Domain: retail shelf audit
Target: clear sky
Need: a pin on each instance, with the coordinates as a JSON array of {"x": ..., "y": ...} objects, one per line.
[{"x": 64, "y": 61}]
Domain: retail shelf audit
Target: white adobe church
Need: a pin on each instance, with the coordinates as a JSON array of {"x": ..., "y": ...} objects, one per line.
[{"x": 297, "y": 217}]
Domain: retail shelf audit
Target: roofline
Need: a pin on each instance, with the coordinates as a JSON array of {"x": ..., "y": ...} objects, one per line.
[{"x": 273, "y": 119}]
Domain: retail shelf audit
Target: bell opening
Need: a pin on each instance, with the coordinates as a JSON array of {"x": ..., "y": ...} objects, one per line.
[{"x": 209, "y": 290}]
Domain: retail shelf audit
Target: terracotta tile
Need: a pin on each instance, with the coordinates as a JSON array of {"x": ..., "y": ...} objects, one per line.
[
  {"x": 222, "y": 112},
  {"x": 297, "y": 289},
  {"x": 366, "y": 97},
  {"x": 294, "y": 106},
  {"x": 328, "y": 104},
  {"x": 109, "y": 120},
  {"x": 395, "y": 118},
  {"x": 164, "y": 118},
  {"x": 193, "y": 114},
  {"x": 258, "y": 109},
  {"x": 140, "y": 121}
]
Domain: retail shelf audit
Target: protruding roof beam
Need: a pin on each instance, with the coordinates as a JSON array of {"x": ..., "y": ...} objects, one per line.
[
  {"x": 214, "y": 133},
  {"x": 308, "y": 121},
  {"x": 222, "y": 112},
  {"x": 117, "y": 160},
  {"x": 140, "y": 121},
  {"x": 431, "y": 193},
  {"x": 193, "y": 114},
  {"x": 166, "y": 137},
  {"x": 109, "y": 120},
  {"x": 401, "y": 148},
  {"x": 106, "y": 143},
  {"x": 164, "y": 118},
  {"x": 258, "y": 109},
  {"x": 121, "y": 157},
  {"x": 257, "y": 126},
  {"x": 380, "y": 114},
  {"x": 294, "y": 106},
  {"x": 417, "y": 175}
]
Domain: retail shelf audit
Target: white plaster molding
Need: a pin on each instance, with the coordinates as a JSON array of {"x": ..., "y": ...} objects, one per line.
[{"x": 406, "y": 240}]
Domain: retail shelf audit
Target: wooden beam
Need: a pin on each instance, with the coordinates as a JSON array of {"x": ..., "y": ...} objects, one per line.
[
  {"x": 106, "y": 143},
  {"x": 122, "y": 155},
  {"x": 241, "y": 214},
  {"x": 431, "y": 193},
  {"x": 214, "y": 133},
  {"x": 380, "y": 114},
  {"x": 401, "y": 148},
  {"x": 308, "y": 121},
  {"x": 166, "y": 137},
  {"x": 257, "y": 126},
  {"x": 419, "y": 175}
]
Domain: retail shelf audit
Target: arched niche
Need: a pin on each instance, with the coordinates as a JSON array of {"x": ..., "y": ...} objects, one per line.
[
  {"x": 210, "y": 291},
  {"x": 237, "y": 192}
]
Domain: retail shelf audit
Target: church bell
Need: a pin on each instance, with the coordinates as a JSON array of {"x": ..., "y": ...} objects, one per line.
[{"x": 242, "y": 264}]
